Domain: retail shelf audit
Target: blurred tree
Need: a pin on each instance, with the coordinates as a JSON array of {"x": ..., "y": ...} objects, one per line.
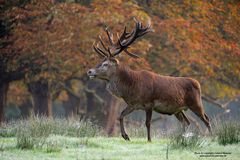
[
  {"x": 23, "y": 32},
  {"x": 18, "y": 95},
  {"x": 14, "y": 64}
]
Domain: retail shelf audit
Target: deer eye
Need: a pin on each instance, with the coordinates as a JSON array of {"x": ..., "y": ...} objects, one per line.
[{"x": 105, "y": 65}]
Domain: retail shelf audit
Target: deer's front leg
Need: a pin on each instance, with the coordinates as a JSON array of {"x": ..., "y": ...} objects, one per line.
[
  {"x": 148, "y": 123},
  {"x": 125, "y": 112}
]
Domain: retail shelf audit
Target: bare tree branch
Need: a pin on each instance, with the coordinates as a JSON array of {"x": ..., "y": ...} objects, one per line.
[
  {"x": 95, "y": 95},
  {"x": 215, "y": 102},
  {"x": 69, "y": 90}
]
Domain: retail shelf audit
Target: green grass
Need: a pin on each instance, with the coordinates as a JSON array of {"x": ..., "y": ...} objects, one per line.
[
  {"x": 42, "y": 127},
  {"x": 100, "y": 148},
  {"x": 228, "y": 133},
  {"x": 42, "y": 138},
  {"x": 190, "y": 140},
  {"x": 33, "y": 133}
]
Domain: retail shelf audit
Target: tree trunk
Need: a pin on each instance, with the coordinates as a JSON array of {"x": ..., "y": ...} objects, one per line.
[
  {"x": 42, "y": 100},
  {"x": 71, "y": 106},
  {"x": 91, "y": 104},
  {"x": 3, "y": 99},
  {"x": 26, "y": 108},
  {"x": 112, "y": 115}
]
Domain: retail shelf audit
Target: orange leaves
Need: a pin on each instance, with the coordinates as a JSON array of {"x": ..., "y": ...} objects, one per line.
[
  {"x": 71, "y": 8},
  {"x": 17, "y": 93},
  {"x": 39, "y": 8},
  {"x": 117, "y": 12}
]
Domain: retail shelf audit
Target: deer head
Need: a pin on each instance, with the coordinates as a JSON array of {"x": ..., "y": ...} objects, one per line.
[{"x": 109, "y": 65}]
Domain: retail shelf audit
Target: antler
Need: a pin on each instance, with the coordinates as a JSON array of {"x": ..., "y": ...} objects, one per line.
[
  {"x": 100, "y": 52},
  {"x": 126, "y": 39},
  {"x": 105, "y": 52},
  {"x": 123, "y": 42}
]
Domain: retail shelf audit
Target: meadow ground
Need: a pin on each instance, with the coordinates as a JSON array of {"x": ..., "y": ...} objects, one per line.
[
  {"x": 104, "y": 148},
  {"x": 41, "y": 138}
]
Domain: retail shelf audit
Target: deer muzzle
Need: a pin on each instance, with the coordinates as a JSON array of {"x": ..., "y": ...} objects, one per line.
[{"x": 91, "y": 73}]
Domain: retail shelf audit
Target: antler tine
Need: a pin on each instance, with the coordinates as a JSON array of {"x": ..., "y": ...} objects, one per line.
[
  {"x": 127, "y": 39},
  {"x": 134, "y": 33},
  {"x": 135, "y": 19},
  {"x": 125, "y": 35},
  {"x": 131, "y": 54},
  {"x": 145, "y": 30},
  {"x": 140, "y": 29},
  {"x": 109, "y": 52},
  {"x": 140, "y": 25},
  {"x": 119, "y": 41},
  {"x": 99, "y": 51},
  {"x": 130, "y": 34},
  {"x": 110, "y": 36},
  {"x": 100, "y": 38}
]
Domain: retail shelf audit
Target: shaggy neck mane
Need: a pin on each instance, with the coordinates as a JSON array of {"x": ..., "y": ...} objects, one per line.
[{"x": 126, "y": 76}]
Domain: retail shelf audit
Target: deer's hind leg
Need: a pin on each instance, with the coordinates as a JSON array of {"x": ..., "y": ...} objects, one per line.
[
  {"x": 196, "y": 106},
  {"x": 183, "y": 119},
  {"x": 199, "y": 111}
]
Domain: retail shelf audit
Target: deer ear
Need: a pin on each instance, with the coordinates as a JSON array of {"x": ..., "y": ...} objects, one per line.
[{"x": 115, "y": 61}]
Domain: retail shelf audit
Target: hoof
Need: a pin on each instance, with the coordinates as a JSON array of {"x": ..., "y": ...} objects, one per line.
[{"x": 125, "y": 136}]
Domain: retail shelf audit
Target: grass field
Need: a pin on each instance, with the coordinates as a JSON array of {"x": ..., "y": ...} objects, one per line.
[
  {"x": 40, "y": 138},
  {"x": 103, "y": 148}
]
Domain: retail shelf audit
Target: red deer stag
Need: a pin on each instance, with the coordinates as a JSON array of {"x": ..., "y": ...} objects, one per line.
[{"x": 143, "y": 89}]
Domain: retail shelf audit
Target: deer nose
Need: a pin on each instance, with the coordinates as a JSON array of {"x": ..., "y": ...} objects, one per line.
[{"x": 89, "y": 71}]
